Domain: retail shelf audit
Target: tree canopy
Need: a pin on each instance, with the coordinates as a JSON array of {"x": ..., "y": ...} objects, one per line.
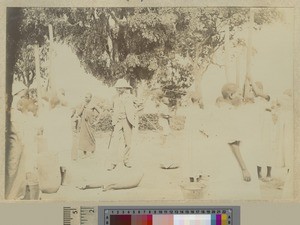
[{"x": 168, "y": 47}]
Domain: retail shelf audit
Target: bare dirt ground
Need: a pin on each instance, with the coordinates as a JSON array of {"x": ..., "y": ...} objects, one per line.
[{"x": 156, "y": 185}]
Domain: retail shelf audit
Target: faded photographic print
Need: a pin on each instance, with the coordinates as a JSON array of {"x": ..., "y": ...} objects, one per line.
[{"x": 149, "y": 104}]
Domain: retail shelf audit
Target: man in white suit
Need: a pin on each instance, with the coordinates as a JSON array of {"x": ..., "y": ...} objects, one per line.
[{"x": 123, "y": 121}]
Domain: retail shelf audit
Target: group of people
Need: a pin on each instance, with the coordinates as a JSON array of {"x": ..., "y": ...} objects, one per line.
[
  {"x": 123, "y": 122},
  {"x": 238, "y": 115},
  {"x": 257, "y": 131},
  {"x": 39, "y": 140}
]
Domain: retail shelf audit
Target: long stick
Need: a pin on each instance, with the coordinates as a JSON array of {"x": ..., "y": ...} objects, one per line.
[
  {"x": 238, "y": 70},
  {"x": 227, "y": 52},
  {"x": 110, "y": 139},
  {"x": 51, "y": 77},
  {"x": 38, "y": 74}
]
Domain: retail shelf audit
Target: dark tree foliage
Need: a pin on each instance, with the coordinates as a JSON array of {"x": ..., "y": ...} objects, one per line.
[{"x": 137, "y": 43}]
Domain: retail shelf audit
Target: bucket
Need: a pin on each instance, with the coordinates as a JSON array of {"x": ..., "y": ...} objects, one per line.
[
  {"x": 32, "y": 192},
  {"x": 193, "y": 190}
]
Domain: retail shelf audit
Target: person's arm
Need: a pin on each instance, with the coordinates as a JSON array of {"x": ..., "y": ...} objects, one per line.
[
  {"x": 114, "y": 114},
  {"x": 82, "y": 108},
  {"x": 91, "y": 186},
  {"x": 164, "y": 115},
  {"x": 257, "y": 91},
  {"x": 98, "y": 110},
  {"x": 94, "y": 185},
  {"x": 130, "y": 109},
  {"x": 73, "y": 113},
  {"x": 235, "y": 147},
  {"x": 247, "y": 89},
  {"x": 139, "y": 105},
  {"x": 164, "y": 111}
]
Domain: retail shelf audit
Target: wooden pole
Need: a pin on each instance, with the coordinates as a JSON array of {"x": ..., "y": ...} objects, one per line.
[
  {"x": 238, "y": 73},
  {"x": 249, "y": 46},
  {"x": 38, "y": 74},
  {"x": 227, "y": 52},
  {"x": 51, "y": 77}
]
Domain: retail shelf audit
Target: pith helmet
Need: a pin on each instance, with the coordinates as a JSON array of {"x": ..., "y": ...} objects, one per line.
[{"x": 122, "y": 83}]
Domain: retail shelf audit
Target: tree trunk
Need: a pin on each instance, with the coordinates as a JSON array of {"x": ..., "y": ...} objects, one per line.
[
  {"x": 246, "y": 88},
  {"x": 198, "y": 74},
  {"x": 115, "y": 51},
  {"x": 13, "y": 37}
]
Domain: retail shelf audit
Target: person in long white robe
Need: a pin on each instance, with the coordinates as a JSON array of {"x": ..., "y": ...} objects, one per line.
[
  {"x": 260, "y": 105},
  {"x": 22, "y": 156},
  {"x": 194, "y": 136},
  {"x": 230, "y": 160},
  {"x": 264, "y": 110},
  {"x": 58, "y": 132},
  {"x": 285, "y": 141}
]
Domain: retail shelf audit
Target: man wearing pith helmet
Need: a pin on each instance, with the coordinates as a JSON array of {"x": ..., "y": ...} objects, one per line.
[{"x": 123, "y": 121}]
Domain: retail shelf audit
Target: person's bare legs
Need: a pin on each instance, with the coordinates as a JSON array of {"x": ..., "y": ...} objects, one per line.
[
  {"x": 268, "y": 178},
  {"x": 259, "y": 172},
  {"x": 269, "y": 169},
  {"x": 235, "y": 147}
]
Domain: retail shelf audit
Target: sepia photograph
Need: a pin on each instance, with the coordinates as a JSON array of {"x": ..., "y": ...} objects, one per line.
[{"x": 149, "y": 103}]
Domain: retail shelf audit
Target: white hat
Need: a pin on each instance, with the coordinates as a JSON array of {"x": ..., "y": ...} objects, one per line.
[{"x": 122, "y": 83}]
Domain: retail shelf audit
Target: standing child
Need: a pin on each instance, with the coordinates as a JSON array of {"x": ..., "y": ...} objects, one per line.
[
  {"x": 168, "y": 155},
  {"x": 164, "y": 117}
]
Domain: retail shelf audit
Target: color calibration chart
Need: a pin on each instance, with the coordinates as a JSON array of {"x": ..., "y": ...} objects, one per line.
[{"x": 162, "y": 215}]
